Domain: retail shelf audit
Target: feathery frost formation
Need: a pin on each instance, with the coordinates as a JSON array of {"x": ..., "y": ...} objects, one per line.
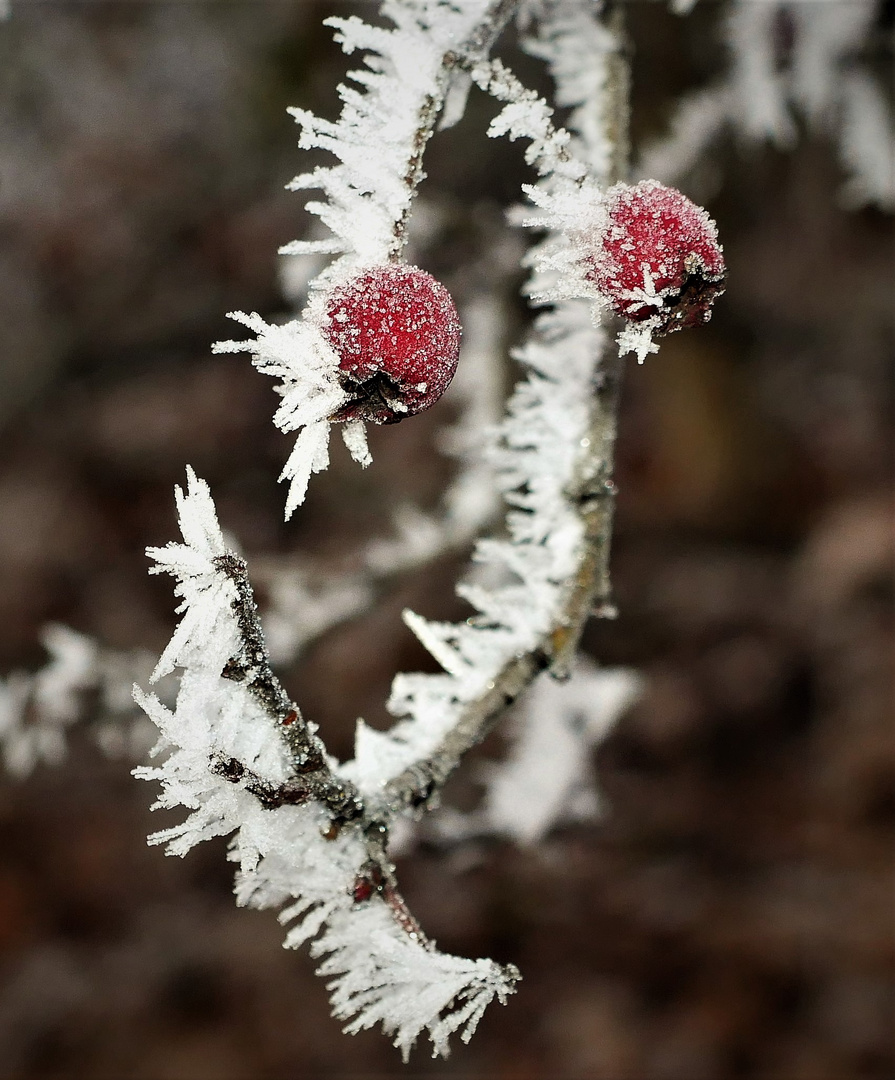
[
  {"x": 376, "y": 141},
  {"x": 378, "y": 972},
  {"x": 376, "y": 137},
  {"x": 537, "y": 454}
]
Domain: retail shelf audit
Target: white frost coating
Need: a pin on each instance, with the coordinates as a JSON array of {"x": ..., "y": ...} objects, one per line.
[
  {"x": 382, "y": 976},
  {"x": 574, "y": 169},
  {"x": 577, "y": 47},
  {"x": 367, "y": 191},
  {"x": 547, "y": 776},
  {"x": 212, "y": 714},
  {"x": 637, "y": 338},
  {"x": 354, "y": 435},
  {"x": 377, "y": 972},
  {"x": 206, "y": 595},
  {"x": 296, "y": 354}
]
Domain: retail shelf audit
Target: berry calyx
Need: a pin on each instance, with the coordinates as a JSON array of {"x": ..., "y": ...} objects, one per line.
[
  {"x": 396, "y": 333},
  {"x": 656, "y": 257}
]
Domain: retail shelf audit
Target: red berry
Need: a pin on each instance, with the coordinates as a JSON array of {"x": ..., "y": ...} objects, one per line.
[
  {"x": 396, "y": 333},
  {"x": 657, "y": 257}
]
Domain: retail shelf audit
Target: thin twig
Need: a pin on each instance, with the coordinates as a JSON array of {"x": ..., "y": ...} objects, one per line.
[
  {"x": 311, "y": 777},
  {"x": 310, "y": 774},
  {"x": 474, "y": 48}
]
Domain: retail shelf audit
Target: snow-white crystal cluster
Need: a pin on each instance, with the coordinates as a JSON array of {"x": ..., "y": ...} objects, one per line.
[{"x": 297, "y": 355}]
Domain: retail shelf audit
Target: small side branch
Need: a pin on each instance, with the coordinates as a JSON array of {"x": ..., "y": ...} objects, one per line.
[
  {"x": 476, "y": 46},
  {"x": 311, "y": 777}
]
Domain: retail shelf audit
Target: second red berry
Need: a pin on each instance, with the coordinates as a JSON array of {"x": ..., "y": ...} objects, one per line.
[{"x": 656, "y": 258}]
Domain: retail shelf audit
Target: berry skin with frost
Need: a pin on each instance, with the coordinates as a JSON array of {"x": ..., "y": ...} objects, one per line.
[
  {"x": 396, "y": 333},
  {"x": 656, "y": 257}
]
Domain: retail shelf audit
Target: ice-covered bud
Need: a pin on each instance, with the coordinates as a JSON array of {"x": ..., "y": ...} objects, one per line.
[
  {"x": 396, "y": 333},
  {"x": 655, "y": 257}
]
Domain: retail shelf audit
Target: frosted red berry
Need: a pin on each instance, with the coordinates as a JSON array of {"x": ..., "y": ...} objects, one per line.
[
  {"x": 656, "y": 257},
  {"x": 397, "y": 335}
]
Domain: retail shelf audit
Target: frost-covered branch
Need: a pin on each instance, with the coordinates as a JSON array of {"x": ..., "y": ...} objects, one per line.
[
  {"x": 241, "y": 758},
  {"x": 387, "y": 118},
  {"x": 384, "y": 128},
  {"x": 554, "y": 460},
  {"x": 309, "y": 834}
]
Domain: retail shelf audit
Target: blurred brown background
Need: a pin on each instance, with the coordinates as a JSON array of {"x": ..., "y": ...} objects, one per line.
[{"x": 732, "y": 915}]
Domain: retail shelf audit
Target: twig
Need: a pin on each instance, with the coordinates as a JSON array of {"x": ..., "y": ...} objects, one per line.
[
  {"x": 474, "y": 48},
  {"x": 310, "y": 775},
  {"x": 312, "y": 779}
]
